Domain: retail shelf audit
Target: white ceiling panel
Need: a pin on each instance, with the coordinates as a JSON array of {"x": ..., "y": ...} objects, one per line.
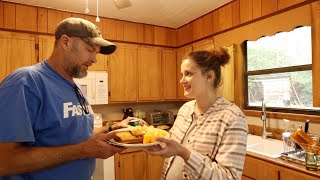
[{"x": 167, "y": 13}]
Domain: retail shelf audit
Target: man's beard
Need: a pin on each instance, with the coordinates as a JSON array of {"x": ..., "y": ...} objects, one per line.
[{"x": 77, "y": 73}]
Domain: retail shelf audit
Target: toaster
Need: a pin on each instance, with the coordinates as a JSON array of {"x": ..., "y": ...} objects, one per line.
[{"x": 159, "y": 118}]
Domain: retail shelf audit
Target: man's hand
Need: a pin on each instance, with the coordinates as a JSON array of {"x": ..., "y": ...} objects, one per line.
[{"x": 98, "y": 147}]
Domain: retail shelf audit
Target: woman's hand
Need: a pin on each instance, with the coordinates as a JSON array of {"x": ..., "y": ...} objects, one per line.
[
  {"x": 124, "y": 123},
  {"x": 171, "y": 148}
]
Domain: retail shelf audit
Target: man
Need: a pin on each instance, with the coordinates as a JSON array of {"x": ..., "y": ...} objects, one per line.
[{"x": 41, "y": 137}]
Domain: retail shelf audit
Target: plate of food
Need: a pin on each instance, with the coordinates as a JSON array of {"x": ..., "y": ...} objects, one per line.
[{"x": 138, "y": 136}]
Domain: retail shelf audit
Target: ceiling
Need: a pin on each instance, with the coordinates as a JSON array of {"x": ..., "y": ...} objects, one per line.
[{"x": 167, "y": 13}]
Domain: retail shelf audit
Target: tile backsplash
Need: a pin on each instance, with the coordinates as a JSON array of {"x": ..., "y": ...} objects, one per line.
[{"x": 113, "y": 112}]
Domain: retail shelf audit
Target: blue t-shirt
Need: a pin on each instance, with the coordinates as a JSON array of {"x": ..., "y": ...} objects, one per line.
[{"x": 39, "y": 108}]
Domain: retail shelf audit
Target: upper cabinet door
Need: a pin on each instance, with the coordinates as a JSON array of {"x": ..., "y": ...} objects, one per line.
[
  {"x": 17, "y": 50},
  {"x": 181, "y": 54},
  {"x": 46, "y": 45},
  {"x": 169, "y": 71},
  {"x": 101, "y": 64},
  {"x": 149, "y": 74},
  {"x": 123, "y": 74}
]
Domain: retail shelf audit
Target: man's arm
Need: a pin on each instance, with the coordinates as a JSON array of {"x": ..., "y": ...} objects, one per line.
[{"x": 16, "y": 158}]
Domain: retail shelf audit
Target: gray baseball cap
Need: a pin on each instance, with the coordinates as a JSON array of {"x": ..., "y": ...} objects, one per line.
[{"x": 77, "y": 27}]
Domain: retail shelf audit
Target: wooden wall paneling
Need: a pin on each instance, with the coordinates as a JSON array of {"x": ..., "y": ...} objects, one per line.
[
  {"x": 1, "y": 14},
  {"x": 9, "y": 16},
  {"x": 215, "y": 19},
  {"x": 245, "y": 11},
  {"x": 235, "y": 12},
  {"x": 148, "y": 32},
  {"x": 239, "y": 68},
  {"x": 287, "y": 3},
  {"x": 66, "y": 15},
  {"x": 119, "y": 30},
  {"x": 197, "y": 28},
  {"x": 179, "y": 36},
  {"x": 130, "y": 31},
  {"x": 109, "y": 29},
  {"x": 93, "y": 20},
  {"x": 268, "y": 6},
  {"x": 26, "y": 18},
  {"x": 54, "y": 18},
  {"x": 187, "y": 34},
  {"x": 76, "y": 15},
  {"x": 42, "y": 20},
  {"x": 207, "y": 24},
  {"x": 256, "y": 9},
  {"x": 160, "y": 35},
  {"x": 225, "y": 17},
  {"x": 171, "y": 37},
  {"x": 140, "y": 33}
]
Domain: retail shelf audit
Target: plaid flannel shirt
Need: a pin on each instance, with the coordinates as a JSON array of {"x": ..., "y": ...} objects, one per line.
[{"x": 217, "y": 144}]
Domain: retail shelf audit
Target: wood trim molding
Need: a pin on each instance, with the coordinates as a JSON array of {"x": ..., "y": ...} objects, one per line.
[{"x": 279, "y": 115}]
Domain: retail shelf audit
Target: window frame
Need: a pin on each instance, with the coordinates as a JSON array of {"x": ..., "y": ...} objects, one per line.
[{"x": 292, "y": 114}]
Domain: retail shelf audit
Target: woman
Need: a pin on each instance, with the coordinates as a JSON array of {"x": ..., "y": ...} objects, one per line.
[{"x": 209, "y": 136}]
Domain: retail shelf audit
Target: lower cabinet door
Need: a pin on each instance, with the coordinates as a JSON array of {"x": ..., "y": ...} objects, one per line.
[{"x": 131, "y": 166}]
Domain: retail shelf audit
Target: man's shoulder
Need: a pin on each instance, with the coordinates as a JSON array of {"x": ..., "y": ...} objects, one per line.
[{"x": 22, "y": 75}]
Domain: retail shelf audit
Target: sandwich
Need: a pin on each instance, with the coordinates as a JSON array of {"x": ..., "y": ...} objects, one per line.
[{"x": 139, "y": 134}]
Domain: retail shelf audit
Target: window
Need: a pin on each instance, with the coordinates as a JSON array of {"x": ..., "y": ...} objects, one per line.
[{"x": 279, "y": 71}]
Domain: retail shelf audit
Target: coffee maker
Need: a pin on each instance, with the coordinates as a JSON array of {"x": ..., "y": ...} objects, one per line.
[{"x": 127, "y": 112}]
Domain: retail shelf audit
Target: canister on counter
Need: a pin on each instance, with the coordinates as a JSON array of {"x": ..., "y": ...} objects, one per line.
[{"x": 134, "y": 122}]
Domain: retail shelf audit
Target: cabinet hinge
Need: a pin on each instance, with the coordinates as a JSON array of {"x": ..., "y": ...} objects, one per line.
[
  {"x": 36, "y": 46},
  {"x": 118, "y": 163},
  {"x": 109, "y": 93}
]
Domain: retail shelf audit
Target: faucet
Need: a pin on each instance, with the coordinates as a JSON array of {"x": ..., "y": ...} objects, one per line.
[{"x": 265, "y": 134}]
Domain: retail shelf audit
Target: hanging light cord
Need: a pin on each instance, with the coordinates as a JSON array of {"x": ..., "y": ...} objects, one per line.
[
  {"x": 97, "y": 19},
  {"x": 87, "y": 8}
]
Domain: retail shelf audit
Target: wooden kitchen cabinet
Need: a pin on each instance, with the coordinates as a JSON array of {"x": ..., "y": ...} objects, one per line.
[
  {"x": 101, "y": 64},
  {"x": 149, "y": 70},
  {"x": 181, "y": 54},
  {"x": 46, "y": 45},
  {"x": 258, "y": 169},
  {"x": 17, "y": 50},
  {"x": 169, "y": 71},
  {"x": 123, "y": 73},
  {"x": 135, "y": 164},
  {"x": 155, "y": 165},
  {"x": 288, "y": 174},
  {"x": 131, "y": 166}
]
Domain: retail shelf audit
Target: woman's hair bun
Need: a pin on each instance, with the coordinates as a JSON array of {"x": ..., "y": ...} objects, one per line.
[{"x": 221, "y": 54}]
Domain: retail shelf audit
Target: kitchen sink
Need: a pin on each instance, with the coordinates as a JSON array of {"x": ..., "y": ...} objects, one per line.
[{"x": 267, "y": 147}]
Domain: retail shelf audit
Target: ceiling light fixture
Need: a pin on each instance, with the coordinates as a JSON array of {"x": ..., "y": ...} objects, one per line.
[
  {"x": 97, "y": 19},
  {"x": 87, "y": 8},
  {"x": 120, "y": 4}
]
